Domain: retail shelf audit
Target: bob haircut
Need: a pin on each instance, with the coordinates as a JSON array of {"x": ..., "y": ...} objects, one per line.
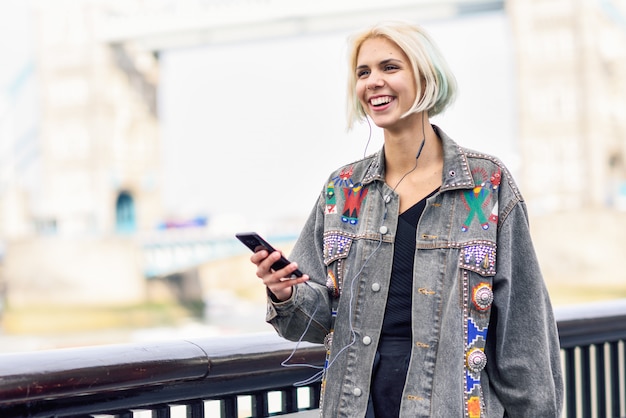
[{"x": 435, "y": 83}]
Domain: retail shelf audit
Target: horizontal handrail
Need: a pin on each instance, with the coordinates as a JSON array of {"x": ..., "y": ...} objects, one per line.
[
  {"x": 591, "y": 323},
  {"x": 50, "y": 374},
  {"x": 123, "y": 377}
]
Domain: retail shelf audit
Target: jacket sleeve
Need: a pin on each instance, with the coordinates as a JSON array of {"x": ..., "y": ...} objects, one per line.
[
  {"x": 525, "y": 370},
  {"x": 307, "y": 314}
]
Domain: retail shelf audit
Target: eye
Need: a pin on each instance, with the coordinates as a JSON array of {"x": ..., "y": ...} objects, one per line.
[
  {"x": 391, "y": 67},
  {"x": 362, "y": 73}
]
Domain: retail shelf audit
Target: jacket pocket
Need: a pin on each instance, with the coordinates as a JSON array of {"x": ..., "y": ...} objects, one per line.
[
  {"x": 336, "y": 249},
  {"x": 477, "y": 264}
]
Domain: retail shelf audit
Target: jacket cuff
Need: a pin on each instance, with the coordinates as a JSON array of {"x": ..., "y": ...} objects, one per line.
[{"x": 276, "y": 307}]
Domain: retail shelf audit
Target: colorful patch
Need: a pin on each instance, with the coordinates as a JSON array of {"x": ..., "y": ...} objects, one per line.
[
  {"x": 352, "y": 206},
  {"x": 473, "y": 407},
  {"x": 480, "y": 197},
  {"x": 343, "y": 179},
  {"x": 331, "y": 199},
  {"x": 476, "y": 330},
  {"x": 475, "y": 362},
  {"x": 474, "y": 333},
  {"x": 480, "y": 257},
  {"x": 482, "y": 296},
  {"x": 336, "y": 246}
]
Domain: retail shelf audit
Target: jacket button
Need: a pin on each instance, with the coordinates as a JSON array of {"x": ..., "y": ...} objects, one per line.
[
  {"x": 383, "y": 230},
  {"x": 367, "y": 340},
  {"x": 376, "y": 287},
  {"x": 356, "y": 392}
]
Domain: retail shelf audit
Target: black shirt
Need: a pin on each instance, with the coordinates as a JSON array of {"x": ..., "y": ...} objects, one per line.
[{"x": 394, "y": 348}]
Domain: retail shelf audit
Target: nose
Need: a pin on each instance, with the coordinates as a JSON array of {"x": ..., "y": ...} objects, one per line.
[{"x": 374, "y": 81}]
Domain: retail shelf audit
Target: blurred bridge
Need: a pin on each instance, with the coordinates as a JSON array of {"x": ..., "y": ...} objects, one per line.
[
  {"x": 170, "y": 252},
  {"x": 184, "y": 23}
]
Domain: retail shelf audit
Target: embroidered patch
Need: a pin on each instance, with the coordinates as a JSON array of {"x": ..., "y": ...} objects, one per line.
[
  {"x": 343, "y": 179},
  {"x": 474, "y": 333},
  {"x": 352, "y": 206},
  {"x": 480, "y": 198},
  {"x": 473, "y": 407},
  {"x": 476, "y": 330},
  {"x": 331, "y": 199},
  {"x": 475, "y": 362}
]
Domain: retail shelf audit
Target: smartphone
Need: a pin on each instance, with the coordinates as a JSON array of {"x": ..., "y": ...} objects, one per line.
[{"x": 254, "y": 241}]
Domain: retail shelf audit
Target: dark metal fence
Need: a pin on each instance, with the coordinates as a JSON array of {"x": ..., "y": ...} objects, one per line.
[
  {"x": 243, "y": 376},
  {"x": 594, "y": 360}
]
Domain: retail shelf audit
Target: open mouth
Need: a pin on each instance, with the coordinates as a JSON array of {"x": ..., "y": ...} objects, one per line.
[{"x": 381, "y": 101}]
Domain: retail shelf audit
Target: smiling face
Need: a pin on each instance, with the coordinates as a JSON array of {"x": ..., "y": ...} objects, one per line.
[{"x": 385, "y": 84}]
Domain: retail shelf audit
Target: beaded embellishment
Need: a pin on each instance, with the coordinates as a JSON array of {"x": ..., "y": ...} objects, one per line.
[
  {"x": 331, "y": 199},
  {"x": 479, "y": 257}
]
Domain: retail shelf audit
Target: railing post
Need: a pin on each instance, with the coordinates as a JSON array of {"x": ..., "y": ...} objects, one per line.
[
  {"x": 570, "y": 382},
  {"x": 600, "y": 381},
  {"x": 585, "y": 380},
  {"x": 259, "y": 405},
  {"x": 195, "y": 409},
  {"x": 161, "y": 411},
  {"x": 616, "y": 395},
  {"x": 229, "y": 407}
]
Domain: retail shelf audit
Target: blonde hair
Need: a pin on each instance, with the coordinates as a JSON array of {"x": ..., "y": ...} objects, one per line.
[{"x": 436, "y": 85}]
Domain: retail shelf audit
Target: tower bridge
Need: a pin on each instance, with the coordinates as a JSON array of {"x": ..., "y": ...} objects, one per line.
[
  {"x": 175, "y": 24},
  {"x": 166, "y": 253}
]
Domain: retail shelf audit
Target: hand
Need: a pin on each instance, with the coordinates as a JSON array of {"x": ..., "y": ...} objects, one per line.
[{"x": 278, "y": 282}]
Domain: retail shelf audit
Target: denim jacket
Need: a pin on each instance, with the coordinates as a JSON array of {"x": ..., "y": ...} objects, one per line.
[{"x": 485, "y": 342}]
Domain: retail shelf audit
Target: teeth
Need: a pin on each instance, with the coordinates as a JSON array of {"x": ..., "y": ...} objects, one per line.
[{"x": 376, "y": 101}]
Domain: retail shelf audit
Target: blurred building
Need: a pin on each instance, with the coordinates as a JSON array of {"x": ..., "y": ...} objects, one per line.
[
  {"x": 571, "y": 64},
  {"x": 99, "y": 137},
  {"x": 92, "y": 176},
  {"x": 85, "y": 167}
]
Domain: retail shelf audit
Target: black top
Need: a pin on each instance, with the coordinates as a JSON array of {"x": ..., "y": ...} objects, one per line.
[{"x": 394, "y": 347}]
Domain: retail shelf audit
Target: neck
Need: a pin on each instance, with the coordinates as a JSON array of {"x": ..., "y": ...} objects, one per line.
[{"x": 402, "y": 147}]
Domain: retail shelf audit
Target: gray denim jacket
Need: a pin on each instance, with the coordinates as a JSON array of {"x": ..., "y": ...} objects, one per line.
[{"x": 485, "y": 342}]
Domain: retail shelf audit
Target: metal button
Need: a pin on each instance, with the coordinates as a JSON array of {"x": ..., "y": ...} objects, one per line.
[
  {"x": 367, "y": 340},
  {"x": 376, "y": 287},
  {"x": 383, "y": 230},
  {"x": 356, "y": 392},
  {"x": 476, "y": 360},
  {"x": 387, "y": 199}
]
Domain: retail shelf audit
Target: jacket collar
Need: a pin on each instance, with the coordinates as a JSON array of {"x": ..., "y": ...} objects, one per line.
[{"x": 456, "y": 169}]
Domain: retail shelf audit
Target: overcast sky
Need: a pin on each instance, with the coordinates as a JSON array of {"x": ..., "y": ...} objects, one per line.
[{"x": 251, "y": 130}]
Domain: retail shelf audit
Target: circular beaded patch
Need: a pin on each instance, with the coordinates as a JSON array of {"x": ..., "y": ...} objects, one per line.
[
  {"x": 476, "y": 360},
  {"x": 482, "y": 296}
]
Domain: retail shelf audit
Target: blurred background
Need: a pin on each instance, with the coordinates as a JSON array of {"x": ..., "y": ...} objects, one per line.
[{"x": 136, "y": 137}]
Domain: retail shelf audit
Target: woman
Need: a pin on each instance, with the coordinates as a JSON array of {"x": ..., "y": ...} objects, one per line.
[{"x": 421, "y": 277}]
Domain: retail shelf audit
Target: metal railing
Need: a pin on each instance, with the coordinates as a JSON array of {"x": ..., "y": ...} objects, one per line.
[
  {"x": 243, "y": 375},
  {"x": 594, "y": 360}
]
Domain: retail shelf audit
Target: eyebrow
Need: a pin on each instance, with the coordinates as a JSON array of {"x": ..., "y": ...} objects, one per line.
[{"x": 383, "y": 62}]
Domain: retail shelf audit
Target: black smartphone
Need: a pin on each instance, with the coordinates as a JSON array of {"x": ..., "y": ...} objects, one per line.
[{"x": 254, "y": 241}]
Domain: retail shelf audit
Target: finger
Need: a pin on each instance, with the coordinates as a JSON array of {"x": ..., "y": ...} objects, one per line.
[
  {"x": 284, "y": 289},
  {"x": 266, "y": 264},
  {"x": 258, "y": 256}
]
